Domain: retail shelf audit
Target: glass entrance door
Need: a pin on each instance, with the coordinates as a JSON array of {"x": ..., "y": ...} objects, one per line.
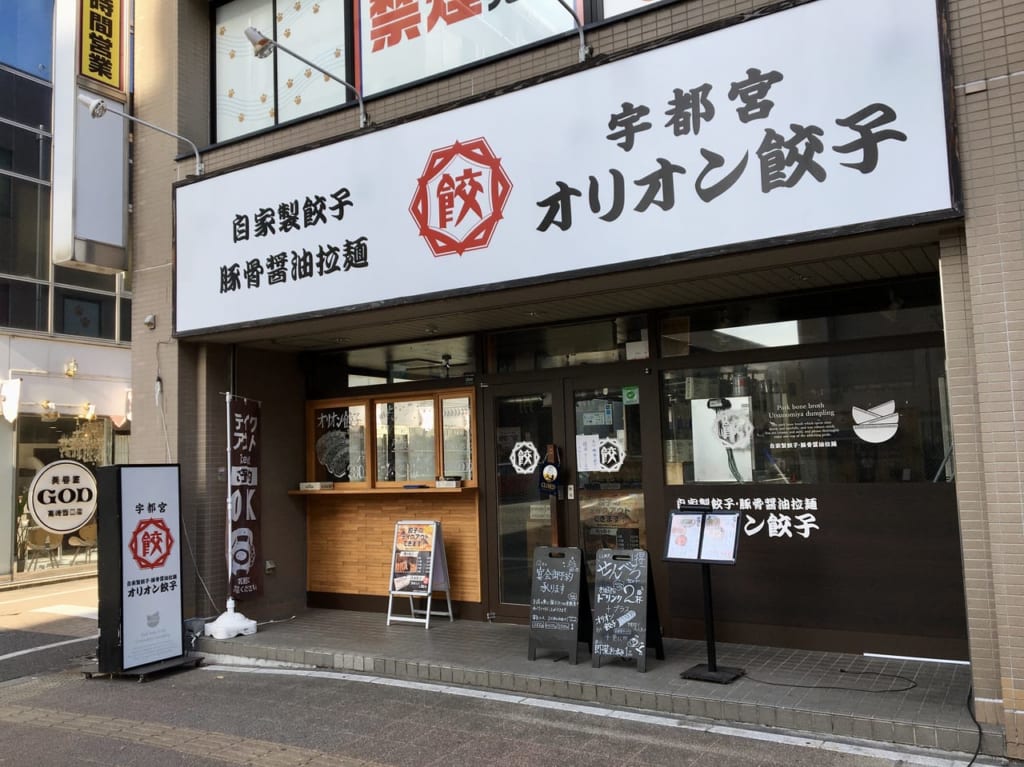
[
  {"x": 595, "y": 426},
  {"x": 524, "y": 421},
  {"x": 609, "y": 502}
]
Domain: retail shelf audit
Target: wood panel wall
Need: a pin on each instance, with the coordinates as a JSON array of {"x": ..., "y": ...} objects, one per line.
[{"x": 350, "y": 537}]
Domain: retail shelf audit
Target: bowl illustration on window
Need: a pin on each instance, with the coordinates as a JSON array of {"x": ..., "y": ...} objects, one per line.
[
  {"x": 332, "y": 453},
  {"x": 876, "y": 424}
]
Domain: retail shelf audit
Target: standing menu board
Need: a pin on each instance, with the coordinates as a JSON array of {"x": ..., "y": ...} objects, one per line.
[
  {"x": 559, "y": 605},
  {"x": 700, "y": 535},
  {"x": 418, "y": 569},
  {"x": 626, "y": 619}
]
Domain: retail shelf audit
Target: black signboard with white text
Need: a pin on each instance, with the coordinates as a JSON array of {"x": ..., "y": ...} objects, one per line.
[
  {"x": 626, "y": 619},
  {"x": 559, "y": 602}
]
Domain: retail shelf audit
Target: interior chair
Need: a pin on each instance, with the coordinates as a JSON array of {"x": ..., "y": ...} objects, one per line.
[
  {"x": 84, "y": 541},
  {"x": 40, "y": 544}
]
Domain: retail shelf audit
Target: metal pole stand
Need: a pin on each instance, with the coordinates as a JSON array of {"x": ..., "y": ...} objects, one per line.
[{"x": 711, "y": 671}]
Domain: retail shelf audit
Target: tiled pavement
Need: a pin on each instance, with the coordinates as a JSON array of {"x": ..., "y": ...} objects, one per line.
[{"x": 908, "y": 702}]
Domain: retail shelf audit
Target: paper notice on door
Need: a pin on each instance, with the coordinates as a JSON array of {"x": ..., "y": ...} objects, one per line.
[{"x": 588, "y": 452}]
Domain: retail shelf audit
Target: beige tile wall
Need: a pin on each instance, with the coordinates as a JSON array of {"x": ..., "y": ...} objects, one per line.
[
  {"x": 982, "y": 273},
  {"x": 982, "y": 277}
]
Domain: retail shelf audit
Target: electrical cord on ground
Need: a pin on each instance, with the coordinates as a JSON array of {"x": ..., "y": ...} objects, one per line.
[
  {"x": 276, "y": 620},
  {"x": 911, "y": 684},
  {"x": 970, "y": 710}
]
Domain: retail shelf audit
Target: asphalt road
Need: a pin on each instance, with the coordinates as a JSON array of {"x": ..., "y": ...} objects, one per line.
[
  {"x": 51, "y": 713},
  {"x": 47, "y": 627}
]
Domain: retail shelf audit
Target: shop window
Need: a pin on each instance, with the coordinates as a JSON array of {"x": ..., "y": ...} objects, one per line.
[
  {"x": 24, "y": 151},
  {"x": 457, "y": 437},
  {"x": 397, "y": 48},
  {"x": 338, "y": 442},
  {"x": 874, "y": 417},
  {"x": 249, "y": 97},
  {"x": 40, "y": 440},
  {"x": 870, "y": 311},
  {"x": 24, "y": 100},
  {"x": 24, "y": 227},
  {"x": 417, "y": 439},
  {"x": 588, "y": 343},
  {"x": 612, "y": 8},
  {"x": 84, "y": 314},
  {"x": 26, "y": 37},
  {"x": 406, "y": 450},
  {"x": 431, "y": 360},
  {"x": 23, "y": 305}
]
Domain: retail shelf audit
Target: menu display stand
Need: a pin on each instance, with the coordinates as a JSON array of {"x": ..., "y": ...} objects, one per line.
[
  {"x": 698, "y": 534},
  {"x": 418, "y": 569}
]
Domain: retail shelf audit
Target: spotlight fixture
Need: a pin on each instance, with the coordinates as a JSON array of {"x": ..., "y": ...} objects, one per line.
[
  {"x": 98, "y": 107},
  {"x": 263, "y": 46}
]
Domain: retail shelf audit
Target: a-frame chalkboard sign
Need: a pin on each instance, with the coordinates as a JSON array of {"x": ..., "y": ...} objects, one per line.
[
  {"x": 418, "y": 569},
  {"x": 559, "y": 602},
  {"x": 626, "y": 621}
]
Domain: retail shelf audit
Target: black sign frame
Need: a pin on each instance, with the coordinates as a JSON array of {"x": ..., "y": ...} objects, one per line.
[{"x": 717, "y": 536}]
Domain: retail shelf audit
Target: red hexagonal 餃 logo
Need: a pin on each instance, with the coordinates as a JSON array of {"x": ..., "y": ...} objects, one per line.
[
  {"x": 460, "y": 197},
  {"x": 151, "y": 543}
]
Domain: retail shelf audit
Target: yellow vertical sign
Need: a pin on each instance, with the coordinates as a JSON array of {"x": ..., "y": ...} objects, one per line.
[{"x": 101, "y": 42}]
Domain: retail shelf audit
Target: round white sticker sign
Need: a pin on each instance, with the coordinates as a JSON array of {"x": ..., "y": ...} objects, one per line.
[{"x": 62, "y": 497}]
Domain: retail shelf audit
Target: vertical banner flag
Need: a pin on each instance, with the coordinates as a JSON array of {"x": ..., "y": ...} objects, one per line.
[{"x": 243, "y": 496}]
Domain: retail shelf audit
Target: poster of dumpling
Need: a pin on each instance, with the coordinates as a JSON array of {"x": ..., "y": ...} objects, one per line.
[
  {"x": 723, "y": 435},
  {"x": 339, "y": 443}
]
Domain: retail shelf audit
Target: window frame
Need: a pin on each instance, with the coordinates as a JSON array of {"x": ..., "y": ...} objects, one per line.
[{"x": 437, "y": 397}]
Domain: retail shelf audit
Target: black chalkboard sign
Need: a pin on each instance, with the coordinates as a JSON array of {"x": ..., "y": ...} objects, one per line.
[
  {"x": 559, "y": 605},
  {"x": 625, "y": 611}
]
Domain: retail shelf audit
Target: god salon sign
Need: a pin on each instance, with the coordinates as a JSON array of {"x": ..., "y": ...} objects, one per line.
[{"x": 62, "y": 497}]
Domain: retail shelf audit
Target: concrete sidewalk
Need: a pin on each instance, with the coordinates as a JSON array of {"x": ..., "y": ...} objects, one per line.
[{"x": 909, "y": 702}]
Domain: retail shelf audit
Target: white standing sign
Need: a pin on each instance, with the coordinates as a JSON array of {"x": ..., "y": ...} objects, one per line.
[
  {"x": 151, "y": 565},
  {"x": 794, "y": 125}
]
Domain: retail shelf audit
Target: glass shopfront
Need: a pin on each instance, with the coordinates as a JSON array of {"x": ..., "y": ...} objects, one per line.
[
  {"x": 870, "y": 417},
  {"x": 819, "y": 417},
  {"x": 770, "y": 407},
  {"x": 41, "y": 440}
]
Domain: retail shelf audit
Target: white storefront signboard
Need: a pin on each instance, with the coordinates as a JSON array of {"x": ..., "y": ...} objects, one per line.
[
  {"x": 822, "y": 117},
  {"x": 151, "y": 607}
]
